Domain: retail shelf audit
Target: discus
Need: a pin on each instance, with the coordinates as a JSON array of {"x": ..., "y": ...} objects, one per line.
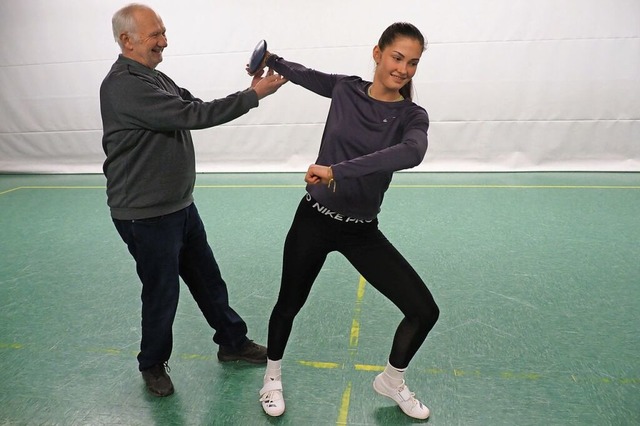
[{"x": 257, "y": 56}]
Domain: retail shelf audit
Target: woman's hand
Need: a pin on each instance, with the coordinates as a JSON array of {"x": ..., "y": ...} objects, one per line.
[{"x": 318, "y": 174}]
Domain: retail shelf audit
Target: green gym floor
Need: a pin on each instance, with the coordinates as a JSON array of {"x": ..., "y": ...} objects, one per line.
[{"x": 537, "y": 276}]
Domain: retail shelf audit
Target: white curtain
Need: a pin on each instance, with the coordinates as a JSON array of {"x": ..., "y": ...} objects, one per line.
[{"x": 510, "y": 85}]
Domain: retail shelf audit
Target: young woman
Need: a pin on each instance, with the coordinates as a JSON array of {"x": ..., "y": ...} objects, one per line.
[{"x": 373, "y": 129}]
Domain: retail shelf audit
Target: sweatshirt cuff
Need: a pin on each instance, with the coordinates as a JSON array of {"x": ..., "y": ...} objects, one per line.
[
  {"x": 271, "y": 60},
  {"x": 336, "y": 170},
  {"x": 252, "y": 97}
]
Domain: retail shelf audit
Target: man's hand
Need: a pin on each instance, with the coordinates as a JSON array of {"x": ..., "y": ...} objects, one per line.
[{"x": 265, "y": 86}]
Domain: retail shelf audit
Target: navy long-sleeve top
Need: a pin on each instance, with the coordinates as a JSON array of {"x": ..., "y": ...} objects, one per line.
[{"x": 364, "y": 140}]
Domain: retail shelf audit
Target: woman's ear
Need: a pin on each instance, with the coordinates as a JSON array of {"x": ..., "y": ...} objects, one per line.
[{"x": 377, "y": 54}]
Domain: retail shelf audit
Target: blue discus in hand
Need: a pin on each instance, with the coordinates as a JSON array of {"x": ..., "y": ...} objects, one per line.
[{"x": 257, "y": 56}]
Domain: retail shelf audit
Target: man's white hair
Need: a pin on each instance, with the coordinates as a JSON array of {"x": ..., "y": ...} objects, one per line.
[{"x": 123, "y": 21}]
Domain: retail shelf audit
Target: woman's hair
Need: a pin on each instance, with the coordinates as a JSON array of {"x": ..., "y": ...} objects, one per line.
[
  {"x": 124, "y": 21},
  {"x": 402, "y": 29}
]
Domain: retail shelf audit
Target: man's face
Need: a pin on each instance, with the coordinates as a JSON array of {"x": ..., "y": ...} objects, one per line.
[{"x": 149, "y": 40}]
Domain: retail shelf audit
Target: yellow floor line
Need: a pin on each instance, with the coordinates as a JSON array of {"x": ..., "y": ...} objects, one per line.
[
  {"x": 319, "y": 364},
  {"x": 343, "y": 414},
  {"x": 354, "y": 337}
]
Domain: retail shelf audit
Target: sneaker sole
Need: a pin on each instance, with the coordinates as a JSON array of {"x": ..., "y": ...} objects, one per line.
[
  {"x": 231, "y": 358},
  {"x": 161, "y": 394}
]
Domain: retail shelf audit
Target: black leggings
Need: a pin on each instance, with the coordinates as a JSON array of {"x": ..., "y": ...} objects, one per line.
[{"x": 313, "y": 235}]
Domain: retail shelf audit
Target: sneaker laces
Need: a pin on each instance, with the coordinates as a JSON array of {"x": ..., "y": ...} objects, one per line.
[
  {"x": 411, "y": 395},
  {"x": 268, "y": 397},
  {"x": 271, "y": 390},
  {"x": 408, "y": 396},
  {"x": 160, "y": 370}
]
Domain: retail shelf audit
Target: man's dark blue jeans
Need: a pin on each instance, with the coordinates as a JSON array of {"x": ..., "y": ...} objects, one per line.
[{"x": 166, "y": 248}]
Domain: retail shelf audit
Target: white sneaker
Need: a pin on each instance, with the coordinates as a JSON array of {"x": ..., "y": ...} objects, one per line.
[
  {"x": 403, "y": 397},
  {"x": 271, "y": 398}
]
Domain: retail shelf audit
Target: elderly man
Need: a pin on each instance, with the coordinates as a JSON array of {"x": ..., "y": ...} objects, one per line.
[{"x": 150, "y": 171}]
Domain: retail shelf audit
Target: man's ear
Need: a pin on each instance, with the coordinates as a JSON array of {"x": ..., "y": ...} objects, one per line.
[{"x": 125, "y": 41}]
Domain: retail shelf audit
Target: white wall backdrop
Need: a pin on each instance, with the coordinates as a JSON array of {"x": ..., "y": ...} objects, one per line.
[{"x": 510, "y": 85}]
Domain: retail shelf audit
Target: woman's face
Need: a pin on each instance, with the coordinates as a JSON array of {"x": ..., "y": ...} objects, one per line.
[{"x": 397, "y": 63}]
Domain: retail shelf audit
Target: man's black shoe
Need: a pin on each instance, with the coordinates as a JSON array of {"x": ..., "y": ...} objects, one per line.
[
  {"x": 249, "y": 352},
  {"x": 157, "y": 380}
]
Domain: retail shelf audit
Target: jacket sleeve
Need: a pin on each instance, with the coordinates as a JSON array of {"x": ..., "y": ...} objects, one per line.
[
  {"x": 315, "y": 81},
  {"x": 141, "y": 104},
  {"x": 408, "y": 153}
]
